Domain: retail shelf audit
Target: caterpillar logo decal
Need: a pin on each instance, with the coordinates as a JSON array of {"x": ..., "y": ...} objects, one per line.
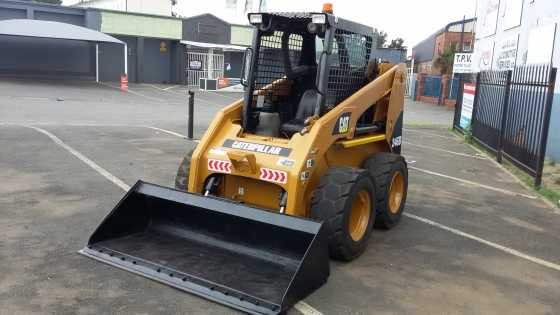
[
  {"x": 396, "y": 137},
  {"x": 342, "y": 125},
  {"x": 257, "y": 147}
]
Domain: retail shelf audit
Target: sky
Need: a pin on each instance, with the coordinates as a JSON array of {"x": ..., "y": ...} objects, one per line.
[{"x": 413, "y": 20}]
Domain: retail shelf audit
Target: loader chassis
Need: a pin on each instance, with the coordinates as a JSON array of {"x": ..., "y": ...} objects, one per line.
[{"x": 300, "y": 169}]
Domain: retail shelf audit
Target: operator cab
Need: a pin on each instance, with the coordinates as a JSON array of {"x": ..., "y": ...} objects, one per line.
[{"x": 300, "y": 66}]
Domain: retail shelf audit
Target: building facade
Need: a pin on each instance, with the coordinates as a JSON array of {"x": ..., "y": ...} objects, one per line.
[
  {"x": 155, "y": 7},
  {"x": 519, "y": 32},
  {"x": 427, "y": 51}
]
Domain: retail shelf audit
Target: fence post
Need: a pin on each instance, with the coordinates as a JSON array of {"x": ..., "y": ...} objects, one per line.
[
  {"x": 190, "y": 115},
  {"x": 504, "y": 117},
  {"x": 458, "y": 104},
  {"x": 546, "y": 122},
  {"x": 475, "y": 102}
]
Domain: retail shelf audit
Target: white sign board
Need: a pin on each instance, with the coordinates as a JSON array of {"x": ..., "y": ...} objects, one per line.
[
  {"x": 541, "y": 44},
  {"x": 463, "y": 63},
  {"x": 506, "y": 53},
  {"x": 469, "y": 90},
  {"x": 512, "y": 14},
  {"x": 484, "y": 52},
  {"x": 487, "y": 17}
]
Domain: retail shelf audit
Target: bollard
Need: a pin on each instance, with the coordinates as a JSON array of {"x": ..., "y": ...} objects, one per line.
[{"x": 190, "y": 115}]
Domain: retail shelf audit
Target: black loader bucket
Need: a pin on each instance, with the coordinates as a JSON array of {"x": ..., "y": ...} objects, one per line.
[{"x": 253, "y": 260}]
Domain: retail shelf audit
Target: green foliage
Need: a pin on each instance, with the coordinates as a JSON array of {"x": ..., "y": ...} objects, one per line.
[
  {"x": 397, "y": 43},
  {"x": 467, "y": 133},
  {"x": 551, "y": 162},
  {"x": 381, "y": 38},
  {"x": 445, "y": 61}
]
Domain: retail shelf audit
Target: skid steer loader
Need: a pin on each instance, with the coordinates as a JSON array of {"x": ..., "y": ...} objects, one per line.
[{"x": 298, "y": 171}]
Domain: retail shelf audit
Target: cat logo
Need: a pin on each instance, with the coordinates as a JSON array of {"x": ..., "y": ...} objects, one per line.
[{"x": 342, "y": 125}]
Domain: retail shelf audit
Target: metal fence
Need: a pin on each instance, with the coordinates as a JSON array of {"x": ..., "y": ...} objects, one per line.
[{"x": 511, "y": 114}]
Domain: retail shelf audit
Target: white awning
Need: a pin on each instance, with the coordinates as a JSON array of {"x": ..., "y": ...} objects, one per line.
[
  {"x": 210, "y": 45},
  {"x": 57, "y": 30},
  {"x": 50, "y": 29}
]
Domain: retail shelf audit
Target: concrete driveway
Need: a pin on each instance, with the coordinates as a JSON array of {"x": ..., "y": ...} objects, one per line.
[{"x": 473, "y": 239}]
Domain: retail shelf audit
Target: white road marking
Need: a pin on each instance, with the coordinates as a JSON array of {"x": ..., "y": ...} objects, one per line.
[
  {"x": 301, "y": 306},
  {"x": 465, "y": 181},
  {"x": 224, "y": 96},
  {"x": 136, "y": 93},
  {"x": 173, "y": 133},
  {"x": 115, "y": 180},
  {"x": 306, "y": 309},
  {"x": 480, "y": 157},
  {"x": 170, "y": 87},
  {"x": 427, "y": 133},
  {"x": 499, "y": 247}
]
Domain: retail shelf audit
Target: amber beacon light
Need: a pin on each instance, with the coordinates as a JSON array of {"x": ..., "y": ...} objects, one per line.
[{"x": 328, "y": 8}]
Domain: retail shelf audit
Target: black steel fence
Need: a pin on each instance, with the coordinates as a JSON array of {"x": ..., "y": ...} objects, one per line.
[{"x": 511, "y": 115}]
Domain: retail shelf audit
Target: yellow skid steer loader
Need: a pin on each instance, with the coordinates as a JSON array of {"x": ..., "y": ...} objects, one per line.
[{"x": 298, "y": 171}]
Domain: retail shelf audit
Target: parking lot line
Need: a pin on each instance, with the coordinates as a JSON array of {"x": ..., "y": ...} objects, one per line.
[
  {"x": 480, "y": 157},
  {"x": 115, "y": 180},
  {"x": 173, "y": 133},
  {"x": 428, "y": 133},
  {"x": 301, "y": 306},
  {"x": 136, "y": 93},
  {"x": 499, "y": 247},
  {"x": 465, "y": 181}
]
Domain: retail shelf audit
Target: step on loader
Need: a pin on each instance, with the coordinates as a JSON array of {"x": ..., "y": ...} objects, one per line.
[{"x": 299, "y": 170}]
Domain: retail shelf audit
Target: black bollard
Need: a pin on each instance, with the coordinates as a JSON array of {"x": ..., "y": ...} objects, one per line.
[{"x": 190, "y": 115}]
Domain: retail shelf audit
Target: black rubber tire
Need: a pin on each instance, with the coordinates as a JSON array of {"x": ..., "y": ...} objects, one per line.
[
  {"x": 382, "y": 167},
  {"x": 332, "y": 203},
  {"x": 182, "y": 178}
]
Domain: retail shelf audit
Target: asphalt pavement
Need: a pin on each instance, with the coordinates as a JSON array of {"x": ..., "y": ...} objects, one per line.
[{"x": 473, "y": 241}]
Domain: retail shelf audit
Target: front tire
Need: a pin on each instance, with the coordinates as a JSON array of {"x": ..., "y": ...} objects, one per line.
[
  {"x": 182, "y": 178},
  {"x": 390, "y": 175},
  {"x": 345, "y": 202}
]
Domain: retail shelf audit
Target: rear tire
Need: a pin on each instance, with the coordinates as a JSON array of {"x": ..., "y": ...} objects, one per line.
[
  {"x": 182, "y": 178},
  {"x": 390, "y": 176},
  {"x": 345, "y": 202}
]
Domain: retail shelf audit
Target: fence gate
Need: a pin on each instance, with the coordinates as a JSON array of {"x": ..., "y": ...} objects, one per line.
[
  {"x": 207, "y": 65},
  {"x": 511, "y": 114}
]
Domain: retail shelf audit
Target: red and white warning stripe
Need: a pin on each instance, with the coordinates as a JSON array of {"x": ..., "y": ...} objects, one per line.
[
  {"x": 274, "y": 175},
  {"x": 219, "y": 166}
]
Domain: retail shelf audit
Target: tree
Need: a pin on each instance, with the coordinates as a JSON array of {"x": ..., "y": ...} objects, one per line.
[
  {"x": 445, "y": 61},
  {"x": 49, "y": 1},
  {"x": 381, "y": 38},
  {"x": 397, "y": 43}
]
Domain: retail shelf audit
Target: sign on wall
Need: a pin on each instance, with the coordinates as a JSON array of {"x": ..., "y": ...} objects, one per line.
[
  {"x": 488, "y": 17},
  {"x": 463, "y": 63},
  {"x": 469, "y": 90},
  {"x": 512, "y": 14},
  {"x": 506, "y": 54},
  {"x": 484, "y": 53},
  {"x": 541, "y": 44}
]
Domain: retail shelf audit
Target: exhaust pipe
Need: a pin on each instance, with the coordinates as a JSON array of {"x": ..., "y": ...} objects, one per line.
[{"x": 250, "y": 259}]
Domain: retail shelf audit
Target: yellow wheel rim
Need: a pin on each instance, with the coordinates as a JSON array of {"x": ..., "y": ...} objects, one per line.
[
  {"x": 359, "y": 216},
  {"x": 396, "y": 193}
]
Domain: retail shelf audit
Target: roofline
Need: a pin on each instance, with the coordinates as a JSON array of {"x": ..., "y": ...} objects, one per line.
[{"x": 206, "y": 14}]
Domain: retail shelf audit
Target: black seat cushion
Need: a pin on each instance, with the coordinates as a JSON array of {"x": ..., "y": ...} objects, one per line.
[{"x": 306, "y": 108}]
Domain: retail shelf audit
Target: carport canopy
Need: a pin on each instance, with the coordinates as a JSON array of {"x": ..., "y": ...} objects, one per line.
[{"x": 57, "y": 30}]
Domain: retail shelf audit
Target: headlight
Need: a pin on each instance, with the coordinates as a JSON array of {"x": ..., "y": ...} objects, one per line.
[
  {"x": 318, "y": 19},
  {"x": 255, "y": 18}
]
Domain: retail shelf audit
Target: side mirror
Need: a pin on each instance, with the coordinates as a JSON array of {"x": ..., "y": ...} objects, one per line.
[{"x": 246, "y": 66}]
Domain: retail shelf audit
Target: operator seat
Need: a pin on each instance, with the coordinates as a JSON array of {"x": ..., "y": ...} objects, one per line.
[{"x": 305, "y": 109}]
